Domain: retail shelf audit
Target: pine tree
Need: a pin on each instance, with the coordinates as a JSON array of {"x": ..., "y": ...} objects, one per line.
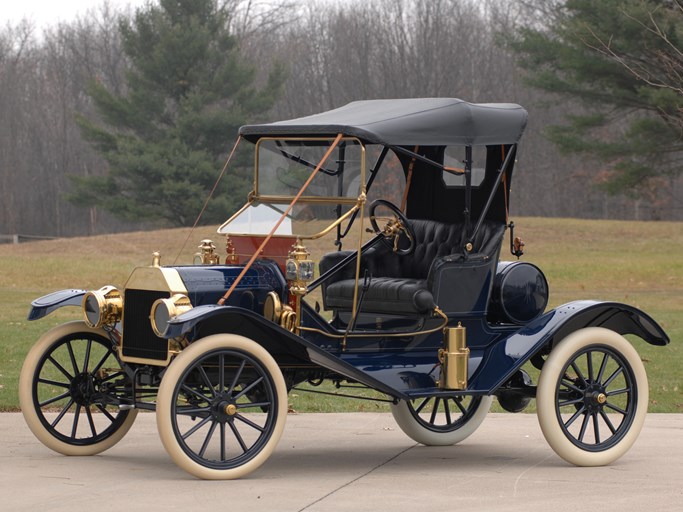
[
  {"x": 622, "y": 60},
  {"x": 166, "y": 138}
]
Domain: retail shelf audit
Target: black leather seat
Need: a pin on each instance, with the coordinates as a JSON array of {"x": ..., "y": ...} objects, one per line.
[
  {"x": 402, "y": 284},
  {"x": 384, "y": 295}
]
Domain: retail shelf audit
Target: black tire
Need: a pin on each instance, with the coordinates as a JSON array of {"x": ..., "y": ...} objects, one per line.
[
  {"x": 63, "y": 386},
  {"x": 221, "y": 407},
  {"x": 592, "y": 397}
]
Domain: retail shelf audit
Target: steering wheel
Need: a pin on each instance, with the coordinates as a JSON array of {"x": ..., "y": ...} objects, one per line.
[{"x": 391, "y": 232}]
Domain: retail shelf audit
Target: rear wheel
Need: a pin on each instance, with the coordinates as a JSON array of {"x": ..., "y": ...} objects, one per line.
[
  {"x": 221, "y": 407},
  {"x": 441, "y": 421},
  {"x": 68, "y": 390},
  {"x": 592, "y": 397}
]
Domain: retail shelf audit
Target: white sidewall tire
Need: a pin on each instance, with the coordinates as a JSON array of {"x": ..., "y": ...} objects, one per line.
[
  {"x": 165, "y": 400},
  {"x": 417, "y": 432},
  {"x": 547, "y": 385},
  {"x": 26, "y": 377}
]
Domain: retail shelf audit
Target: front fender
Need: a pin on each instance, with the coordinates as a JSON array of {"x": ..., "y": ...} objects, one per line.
[
  {"x": 46, "y": 304},
  {"x": 510, "y": 354},
  {"x": 182, "y": 324},
  {"x": 287, "y": 348}
]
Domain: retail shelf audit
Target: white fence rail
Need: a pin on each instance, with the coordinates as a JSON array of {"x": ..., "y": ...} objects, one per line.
[{"x": 20, "y": 239}]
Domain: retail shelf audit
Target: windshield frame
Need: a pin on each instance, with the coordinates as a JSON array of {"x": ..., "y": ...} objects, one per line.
[
  {"x": 266, "y": 198},
  {"x": 277, "y": 201},
  {"x": 358, "y": 204}
]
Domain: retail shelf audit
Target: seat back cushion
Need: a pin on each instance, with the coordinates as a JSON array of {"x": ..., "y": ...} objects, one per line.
[{"x": 433, "y": 240}]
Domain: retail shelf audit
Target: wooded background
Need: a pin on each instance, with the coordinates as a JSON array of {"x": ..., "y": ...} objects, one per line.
[{"x": 332, "y": 54}]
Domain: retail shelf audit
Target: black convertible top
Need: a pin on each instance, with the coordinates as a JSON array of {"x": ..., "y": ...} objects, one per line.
[{"x": 407, "y": 122}]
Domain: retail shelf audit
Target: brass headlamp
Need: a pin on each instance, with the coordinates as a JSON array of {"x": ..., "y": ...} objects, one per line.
[
  {"x": 164, "y": 310},
  {"x": 299, "y": 268},
  {"x": 102, "y": 307}
]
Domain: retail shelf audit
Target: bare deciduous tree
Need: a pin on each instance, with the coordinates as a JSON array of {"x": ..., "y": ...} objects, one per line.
[{"x": 334, "y": 52}]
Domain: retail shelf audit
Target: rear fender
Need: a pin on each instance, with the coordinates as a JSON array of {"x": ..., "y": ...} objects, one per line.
[
  {"x": 46, "y": 304},
  {"x": 510, "y": 354},
  {"x": 287, "y": 348}
]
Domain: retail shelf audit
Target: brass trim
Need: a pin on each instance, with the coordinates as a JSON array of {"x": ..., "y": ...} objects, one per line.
[
  {"x": 306, "y": 199},
  {"x": 601, "y": 398},
  {"x": 207, "y": 253},
  {"x": 354, "y": 310},
  {"x": 231, "y": 256},
  {"x": 454, "y": 358},
  {"x": 176, "y": 305},
  {"x": 109, "y": 306},
  {"x": 272, "y": 307},
  {"x": 297, "y": 259},
  {"x": 288, "y": 319},
  {"x": 314, "y": 236},
  {"x": 151, "y": 279},
  {"x": 151, "y": 362},
  {"x": 177, "y": 345},
  {"x": 154, "y": 279},
  {"x": 331, "y": 226},
  {"x": 296, "y": 328}
]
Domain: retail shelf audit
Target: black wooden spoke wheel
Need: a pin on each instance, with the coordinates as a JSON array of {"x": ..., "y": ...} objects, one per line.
[
  {"x": 397, "y": 233},
  {"x": 441, "y": 421},
  {"x": 221, "y": 407},
  {"x": 592, "y": 397},
  {"x": 69, "y": 387}
]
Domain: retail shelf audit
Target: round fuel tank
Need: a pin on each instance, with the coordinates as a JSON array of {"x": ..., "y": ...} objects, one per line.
[{"x": 519, "y": 293}]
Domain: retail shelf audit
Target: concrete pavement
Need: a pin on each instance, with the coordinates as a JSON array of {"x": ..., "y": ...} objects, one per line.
[{"x": 350, "y": 462}]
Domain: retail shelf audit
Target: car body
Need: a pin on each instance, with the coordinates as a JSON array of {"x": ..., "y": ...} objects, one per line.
[{"x": 422, "y": 310}]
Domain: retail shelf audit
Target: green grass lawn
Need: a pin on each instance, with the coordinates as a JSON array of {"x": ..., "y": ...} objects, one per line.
[{"x": 638, "y": 263}]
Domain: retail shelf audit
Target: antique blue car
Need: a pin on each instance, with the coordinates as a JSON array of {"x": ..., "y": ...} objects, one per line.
[{"x": 366, "y": 256}]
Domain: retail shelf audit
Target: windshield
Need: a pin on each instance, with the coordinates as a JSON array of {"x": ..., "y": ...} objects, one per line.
[{"x": 282, "y": 168}]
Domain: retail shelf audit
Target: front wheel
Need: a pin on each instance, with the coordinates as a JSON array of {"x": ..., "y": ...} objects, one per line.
[
  {"x": 441, "y": 421},
  {"x": 69, "y": 388},
  {"x": 592, "y": 397},
  {"x": 221, "y": 407}
]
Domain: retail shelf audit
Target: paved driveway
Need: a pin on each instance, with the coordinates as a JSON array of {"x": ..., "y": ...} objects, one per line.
[{"x": 351, "y": 462}]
